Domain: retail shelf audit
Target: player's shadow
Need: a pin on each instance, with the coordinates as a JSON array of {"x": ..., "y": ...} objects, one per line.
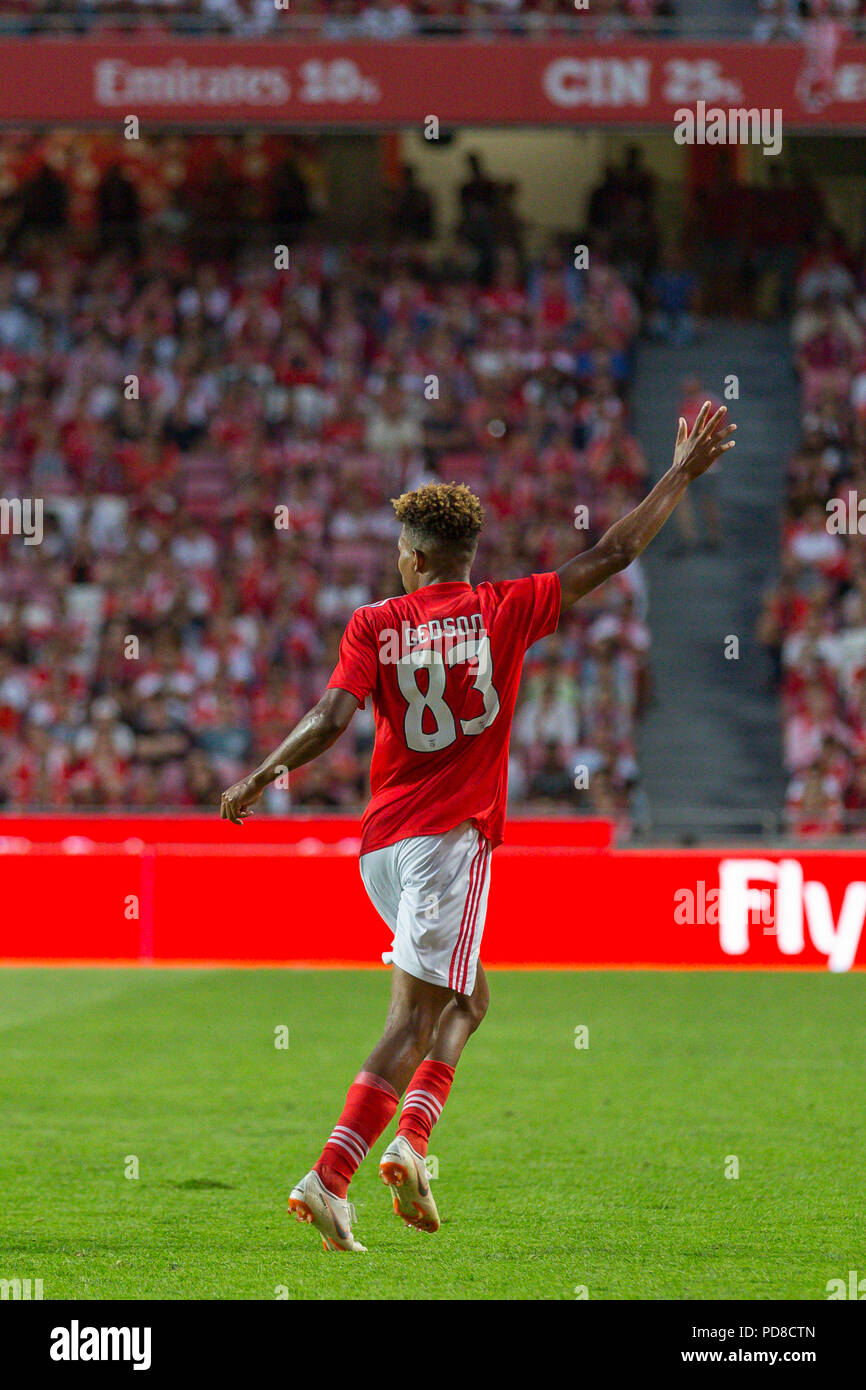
[{"x": 202, "y": 1185}]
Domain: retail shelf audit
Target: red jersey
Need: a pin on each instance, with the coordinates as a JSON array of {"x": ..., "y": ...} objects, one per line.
[{"x": 442, "y": 666}]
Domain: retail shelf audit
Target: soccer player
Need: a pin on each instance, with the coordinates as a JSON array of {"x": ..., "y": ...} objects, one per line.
[{"x": 442, "y": 665}]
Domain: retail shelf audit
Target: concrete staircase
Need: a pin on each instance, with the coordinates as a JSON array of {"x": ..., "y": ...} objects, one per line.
[{"x": 709, "y": 746}]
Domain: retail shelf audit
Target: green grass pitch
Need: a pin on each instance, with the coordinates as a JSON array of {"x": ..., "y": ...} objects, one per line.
[{"x": 560, "y": 1168}]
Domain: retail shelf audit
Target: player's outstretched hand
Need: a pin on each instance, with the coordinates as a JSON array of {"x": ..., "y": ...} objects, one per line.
[
  {"x": 238, "y": 801},
  {"x": 709, "y": 437}
]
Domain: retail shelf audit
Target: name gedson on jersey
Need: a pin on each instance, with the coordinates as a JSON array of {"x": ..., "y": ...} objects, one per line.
[{"x": 395, "y": 646}]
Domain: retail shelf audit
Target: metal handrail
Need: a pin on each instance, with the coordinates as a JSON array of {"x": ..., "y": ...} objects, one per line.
[{"x": 697, "y": 825}]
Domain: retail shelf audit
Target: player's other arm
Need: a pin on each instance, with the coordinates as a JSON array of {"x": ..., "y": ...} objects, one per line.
[
  {"x": 624, "y": 541},
  {"x": 317, "y": 730}
]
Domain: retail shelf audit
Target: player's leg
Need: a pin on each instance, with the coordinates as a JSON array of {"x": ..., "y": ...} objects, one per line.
[
  {"x": 414, "y": 1012},
  {"x": 463, "y": 881},
  {"x": 432, "y": 891},
  {"x": 459, "y": 1020},
  {"x": 430, "y": 1085},
  {"x": 373, "y": 1096},
  {"x": 372, "y": 1099},
  {"x": 403, "y": 1166}
]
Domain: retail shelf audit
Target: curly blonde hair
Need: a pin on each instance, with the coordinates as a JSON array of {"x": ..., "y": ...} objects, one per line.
[{"x": 441, "y": 514}]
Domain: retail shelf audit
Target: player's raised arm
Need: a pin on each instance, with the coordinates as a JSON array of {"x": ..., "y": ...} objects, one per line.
[
  {"x": 317, "y": 730},
  {"x": 623, "y": 542}
]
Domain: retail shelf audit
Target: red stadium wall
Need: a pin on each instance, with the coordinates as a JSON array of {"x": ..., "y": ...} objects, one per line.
[{"x": 289, "y": 892}]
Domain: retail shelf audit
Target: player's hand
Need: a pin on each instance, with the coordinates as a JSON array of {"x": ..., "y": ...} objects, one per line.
[
  {"x": 709, "y": 437},
  {"x": 237, "y": 802}
]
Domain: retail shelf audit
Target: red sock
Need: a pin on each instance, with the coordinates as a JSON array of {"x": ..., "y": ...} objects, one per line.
[
  {"x": 426, "y": 1094},
  {"x": 370, "y": 1104}
]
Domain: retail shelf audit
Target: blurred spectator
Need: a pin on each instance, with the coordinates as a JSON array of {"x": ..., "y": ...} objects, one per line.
[
  {"x": 814, "y": 807},
  {"x": 779, "y": 20},
  {"x": 673, "y": 289},
  {"x": 411, "y": 213},
  {"x": 551, "y": 782},
  {"x": 622, "y": 210},
  {"x": 385, "y": 19},
  {"x": 703, "y": 495}
]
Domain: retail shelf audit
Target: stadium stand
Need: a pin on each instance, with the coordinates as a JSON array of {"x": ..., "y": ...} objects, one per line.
[
  {"x": 793, "y": 20},
  {"x": 823, "y": 23},
  {"x": 170, "y": 626},
  {"x": 342, "y": 19},
  {"x": 813, "y": 622}
]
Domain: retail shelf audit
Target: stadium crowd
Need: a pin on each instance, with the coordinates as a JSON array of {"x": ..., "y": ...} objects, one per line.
[
  {"x": 340, "y": 19},
  {"x": 814, "y": 621},
  {"x": 823, "y": 21},
  {"x": 215, "y": 442}
]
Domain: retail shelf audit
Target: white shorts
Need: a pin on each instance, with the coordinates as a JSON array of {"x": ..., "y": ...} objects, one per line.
[{"x": 432, "y": 891}]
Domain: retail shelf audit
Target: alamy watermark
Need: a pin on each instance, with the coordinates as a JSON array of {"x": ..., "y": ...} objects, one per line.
[
  {"x": 734, "y": 125},
  {"x": 22, "y": 516},
  {"x": 20, "y": 1290}
]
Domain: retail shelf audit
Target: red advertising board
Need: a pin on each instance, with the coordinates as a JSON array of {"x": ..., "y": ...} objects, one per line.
[
  {"x": 75, "y": 832},
  {"x": 553, "y": 904},
  {"x": 504, "y": 81}
]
